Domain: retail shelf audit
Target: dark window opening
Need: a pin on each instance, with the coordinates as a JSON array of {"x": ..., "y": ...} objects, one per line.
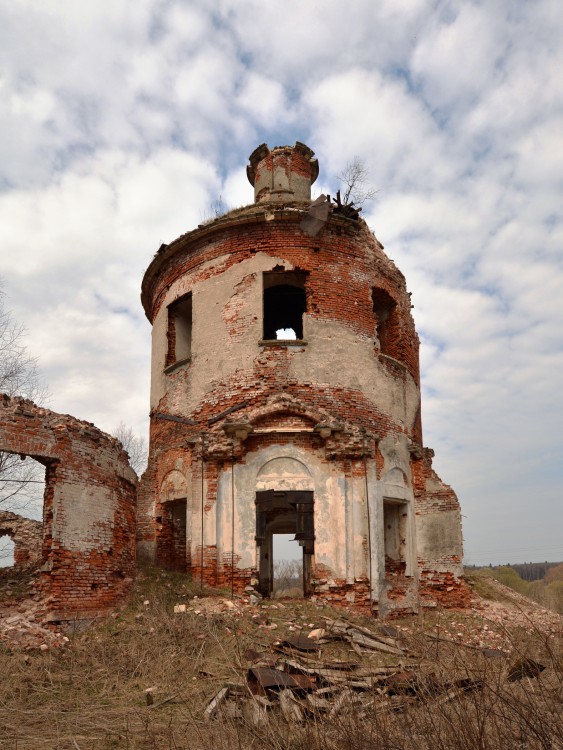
[
  {"x": 285, "y": 301},
  {"x": 384, "y": 308},
  {"x": 179, "y": 330},
  {"x": 395, "y": 536}
]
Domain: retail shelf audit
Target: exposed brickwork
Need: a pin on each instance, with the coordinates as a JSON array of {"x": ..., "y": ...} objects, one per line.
[
  {"x": 444, "y": 588},
  {"x": 88, "y": 554},
  {"x": 240, "y": 235},
  {"x": 27, "y": 536},
  {"x": 226, "y": 575},
  {"x": 320, "y": 408}
]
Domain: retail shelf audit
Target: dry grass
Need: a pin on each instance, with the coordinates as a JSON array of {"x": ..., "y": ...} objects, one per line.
[{"x": 91, "y": 695}]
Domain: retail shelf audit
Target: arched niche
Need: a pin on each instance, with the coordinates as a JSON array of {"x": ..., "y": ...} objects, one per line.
[
  {"x": 174, "y": 522},
  {"x": 284, "y": 473},
  {"x": 174, "y": 486},
  {"x": 395, "y": 484}
]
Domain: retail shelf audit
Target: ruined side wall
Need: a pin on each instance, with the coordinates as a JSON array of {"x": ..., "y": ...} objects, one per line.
[
  {"x": 439, "y": 538},
  {"x": 88, "y": 552},
  {"x": 27, "y": 536}
]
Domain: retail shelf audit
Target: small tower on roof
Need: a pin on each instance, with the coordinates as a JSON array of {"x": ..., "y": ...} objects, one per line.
[{"x": 283, "y": 174}]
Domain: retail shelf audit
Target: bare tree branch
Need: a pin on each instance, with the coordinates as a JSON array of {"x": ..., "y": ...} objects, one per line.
[
  {"x": 356, "y": 185},
  {"x": 135, "y": 446},
  {"x": 21, "y": 481}
]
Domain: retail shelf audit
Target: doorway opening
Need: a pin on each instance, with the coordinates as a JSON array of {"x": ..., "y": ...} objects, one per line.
[
  {"x": 395, "y": 535},
  {"x": 289, "y": 512},
  {"x": 175, "y": 527},
  {"x": 288, "y": 566}
]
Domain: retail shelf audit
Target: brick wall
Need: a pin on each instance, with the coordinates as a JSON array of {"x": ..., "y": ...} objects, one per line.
[
  {"x": 27, "y": 536},
  {"x": 348, "y": 279},
  {"x": 88, "y": 553}
]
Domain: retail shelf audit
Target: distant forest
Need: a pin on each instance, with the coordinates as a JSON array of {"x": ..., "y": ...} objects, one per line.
[
  {"x": 542, "y": 582},
  {"x": 527, "y": 571}
]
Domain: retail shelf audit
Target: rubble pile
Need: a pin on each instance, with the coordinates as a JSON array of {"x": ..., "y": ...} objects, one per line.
[
  {"x": 22, "y": 616},
  {"x": 293, "y": 680},
  {"x": 517, "y": 610}
]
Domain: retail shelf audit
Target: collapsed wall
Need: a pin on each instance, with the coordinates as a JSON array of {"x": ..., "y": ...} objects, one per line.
[
  {"x": 88, "y": 532},
  {"x": 27, "y": 536}
]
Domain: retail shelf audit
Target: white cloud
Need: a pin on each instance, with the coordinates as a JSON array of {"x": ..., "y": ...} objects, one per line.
[{"x": 121, "y": 124}]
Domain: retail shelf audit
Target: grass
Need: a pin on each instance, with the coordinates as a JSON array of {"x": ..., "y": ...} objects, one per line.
[{"x": 92, "y": 694}]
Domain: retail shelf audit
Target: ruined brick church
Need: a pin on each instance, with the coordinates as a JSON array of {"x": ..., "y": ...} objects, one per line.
[{"x": 285, "y": 399}]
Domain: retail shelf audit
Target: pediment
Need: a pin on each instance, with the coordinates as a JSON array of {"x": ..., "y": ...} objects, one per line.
[
  {"x": 284, "y": 422},
  {"x": 284, "y": 412}
]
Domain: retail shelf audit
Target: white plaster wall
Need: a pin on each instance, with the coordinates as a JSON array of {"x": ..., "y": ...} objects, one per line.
[
  {"x": 214, "y": 350},
  {"x": 375, "y": 499},
  {"x": 334, "y": 355},
  {"x": 360, "y": 530},
  {"x": 83, "y": 517},
  {"x": 276, "y": 467},
  {"x": 438, "y": 537},
  {"x": 339, "y": 356}
]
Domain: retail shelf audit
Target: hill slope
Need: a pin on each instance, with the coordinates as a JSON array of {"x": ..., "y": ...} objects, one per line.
[{"x": 147, "y": 676}]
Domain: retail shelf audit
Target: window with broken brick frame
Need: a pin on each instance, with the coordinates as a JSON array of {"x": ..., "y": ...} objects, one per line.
[
  {"x": 284, "y": 303},
  {"x": 179, "y": 331}
]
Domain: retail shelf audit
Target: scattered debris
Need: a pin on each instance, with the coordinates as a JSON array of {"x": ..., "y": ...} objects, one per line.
[
  {"x": 216, "y": 702},
  {"x": 524, "y": 668},
  {"x": 295, "y": 681},
  {"x": 317, "y": 215},
  {"x": 299, "y": 642},
  {"x": 362, "y": 637}
]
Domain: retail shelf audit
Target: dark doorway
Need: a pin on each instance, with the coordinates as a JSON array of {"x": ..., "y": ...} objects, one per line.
[
  {"x": 177, "y": 518},
  {"x": 284, "y": 512}
]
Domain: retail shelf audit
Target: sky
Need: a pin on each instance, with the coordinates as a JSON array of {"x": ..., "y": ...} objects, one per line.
[{"x": 123, "y": 124}]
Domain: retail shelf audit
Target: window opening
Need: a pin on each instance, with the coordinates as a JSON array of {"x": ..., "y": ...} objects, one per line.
[
  {"x": 395, "y": 536},
  {"x": 179, "y": 330},
  {"x": 384, "y": 308},
  {"x": 22, "y": 485},
  {"x": 285, "y": 301},
  {"x": 7, "y": 547},
  {"x": 22, "y": 500}
]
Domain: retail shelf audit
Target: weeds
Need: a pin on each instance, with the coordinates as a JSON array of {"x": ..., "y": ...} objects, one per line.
[{"x": 92, "y": 695}]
